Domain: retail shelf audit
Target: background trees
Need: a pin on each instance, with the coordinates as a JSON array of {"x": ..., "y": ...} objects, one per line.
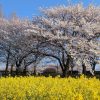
[
  {"x": 17, "y": 43},
  {"x": 69, "y": 34}
]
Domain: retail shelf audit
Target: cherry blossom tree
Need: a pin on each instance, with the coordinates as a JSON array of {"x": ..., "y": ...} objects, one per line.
[
  {"x": 16, "y": 42},
  {"x": 70, "y": 35}
]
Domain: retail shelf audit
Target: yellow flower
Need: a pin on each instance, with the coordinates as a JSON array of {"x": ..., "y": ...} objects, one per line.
[{"x": 48, "y": 88}]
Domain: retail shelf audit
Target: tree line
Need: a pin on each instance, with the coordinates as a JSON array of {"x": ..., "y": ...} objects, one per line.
[{"x": 68, "y": 34}]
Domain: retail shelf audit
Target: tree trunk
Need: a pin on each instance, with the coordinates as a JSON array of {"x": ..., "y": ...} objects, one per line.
[
  {"x": 17, "y": 69},
  {"x": 7, "y": 64},
  {"x": 84, "y": 69},
  {"x": 94, "y": 64},
  {"x": 64, "y": 74},
  {"x": 66, "y": 67},
  {"x": 71, "y": 71},
  {"x": 25, "y": 70},
  {"x": 65, "y": 71},
  {"x": 35, "y": 70},
  {"x": 11, "y": 71}
]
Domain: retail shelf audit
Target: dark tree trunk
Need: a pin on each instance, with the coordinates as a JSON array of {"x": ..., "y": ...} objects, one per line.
[
  {"x": 66, "y": 67},
  {"x": 94, "y": 64},
  {"x": 7, "y": 64},
  {"x": 17, "y": 69},
  {"x": 25, "y": 71},
  {"x": 18, "y": 64},
  {"x": 84, "y": 69},
  {"x": 71, "y": 71},
  {"x": 11, "y": 71},
  {"x": 35, "y": 70},
  {"x": 64, "y": 74}
]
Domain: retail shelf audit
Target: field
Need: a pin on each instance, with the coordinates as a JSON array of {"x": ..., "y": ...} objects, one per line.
[{"x": 42, "y": 88}]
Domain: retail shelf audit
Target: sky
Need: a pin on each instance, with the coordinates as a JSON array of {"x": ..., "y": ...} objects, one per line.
[{"x": 29, "y": 8}]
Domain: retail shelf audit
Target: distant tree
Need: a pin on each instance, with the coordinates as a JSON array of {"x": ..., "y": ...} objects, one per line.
[
  {"x": 22, "y": 42},
  {"x": 16, "y": 42},
  {"x": 4, "y": 43}
]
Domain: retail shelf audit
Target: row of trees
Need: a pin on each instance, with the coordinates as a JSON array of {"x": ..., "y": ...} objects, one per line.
[{"x": 68, "y": 34}]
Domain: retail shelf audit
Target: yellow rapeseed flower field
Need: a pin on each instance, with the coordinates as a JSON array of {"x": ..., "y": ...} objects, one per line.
[{"x": 42, "y": 88}]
